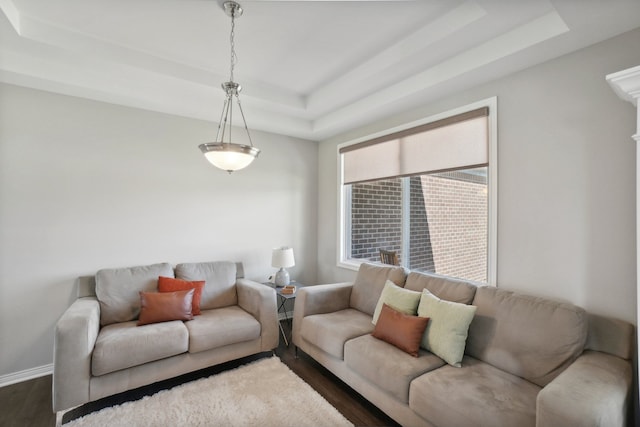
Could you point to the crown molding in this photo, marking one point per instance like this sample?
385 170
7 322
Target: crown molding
626 84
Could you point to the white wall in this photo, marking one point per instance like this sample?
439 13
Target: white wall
566 200
87 185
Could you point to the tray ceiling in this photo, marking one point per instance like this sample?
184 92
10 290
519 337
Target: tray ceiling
309 69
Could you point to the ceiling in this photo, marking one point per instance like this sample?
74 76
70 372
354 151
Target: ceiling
309 69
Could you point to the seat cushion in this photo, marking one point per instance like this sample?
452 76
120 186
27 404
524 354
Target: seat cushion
117 290
123 345
369 284
221 326
386 366
220 282
475 395
329 331
531 337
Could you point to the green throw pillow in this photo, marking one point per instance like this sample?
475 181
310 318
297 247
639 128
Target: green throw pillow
400 299
446 332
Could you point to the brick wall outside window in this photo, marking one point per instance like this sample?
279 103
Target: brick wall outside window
457 215
376 218
448 223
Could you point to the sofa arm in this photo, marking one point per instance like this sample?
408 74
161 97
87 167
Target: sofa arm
75 337
260 301
319 299
593 391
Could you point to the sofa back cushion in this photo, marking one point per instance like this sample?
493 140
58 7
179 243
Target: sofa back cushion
118 290
369 284
533 338
445 288
220 277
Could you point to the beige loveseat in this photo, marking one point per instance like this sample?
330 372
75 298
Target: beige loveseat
99 349
528 361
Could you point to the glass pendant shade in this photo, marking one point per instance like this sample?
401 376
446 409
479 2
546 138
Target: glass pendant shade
229 157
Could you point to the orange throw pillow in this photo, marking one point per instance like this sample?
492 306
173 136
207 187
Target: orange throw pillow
169 284
158 307
401 330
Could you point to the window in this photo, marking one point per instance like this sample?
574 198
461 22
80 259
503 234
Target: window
426 192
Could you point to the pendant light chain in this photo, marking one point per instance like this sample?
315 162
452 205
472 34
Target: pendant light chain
234 60
233 65
234 57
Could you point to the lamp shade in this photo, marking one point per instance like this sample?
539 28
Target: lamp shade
282 258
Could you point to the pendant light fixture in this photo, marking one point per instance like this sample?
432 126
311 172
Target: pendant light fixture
230 156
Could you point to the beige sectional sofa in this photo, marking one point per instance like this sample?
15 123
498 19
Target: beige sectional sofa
99 349
528 361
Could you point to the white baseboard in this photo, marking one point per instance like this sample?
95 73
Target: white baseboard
27 374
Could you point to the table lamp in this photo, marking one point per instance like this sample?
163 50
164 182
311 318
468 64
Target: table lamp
282 258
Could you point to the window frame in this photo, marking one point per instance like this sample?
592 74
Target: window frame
343 193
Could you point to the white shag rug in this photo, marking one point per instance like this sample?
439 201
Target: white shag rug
262 393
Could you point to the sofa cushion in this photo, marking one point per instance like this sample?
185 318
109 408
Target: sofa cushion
401 330
117 290
123 345
531 337
156 307
329 331
170 284
445 288
221 326
220 277
475 395
404 300
446 332
386 366
369 284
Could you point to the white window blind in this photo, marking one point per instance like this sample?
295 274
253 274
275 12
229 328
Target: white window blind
456 142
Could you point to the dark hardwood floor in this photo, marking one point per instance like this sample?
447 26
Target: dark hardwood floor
28 404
